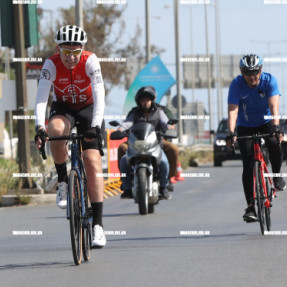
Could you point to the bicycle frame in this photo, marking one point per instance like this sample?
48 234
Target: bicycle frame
75 153
258 156
75 166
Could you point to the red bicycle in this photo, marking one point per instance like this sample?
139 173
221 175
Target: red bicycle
263 186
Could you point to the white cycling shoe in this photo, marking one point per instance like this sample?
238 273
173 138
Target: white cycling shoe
61 199
99 238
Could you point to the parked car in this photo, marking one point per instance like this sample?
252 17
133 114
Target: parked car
220 151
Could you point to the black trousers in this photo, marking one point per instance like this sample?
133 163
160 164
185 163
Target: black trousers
246 149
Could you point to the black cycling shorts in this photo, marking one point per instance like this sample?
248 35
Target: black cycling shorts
82 119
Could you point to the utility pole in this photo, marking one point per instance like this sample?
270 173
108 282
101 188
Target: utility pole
191 52
22 103
178 79
208 70
147 31
79 13
219 64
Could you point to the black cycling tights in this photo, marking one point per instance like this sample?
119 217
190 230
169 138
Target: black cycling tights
246 149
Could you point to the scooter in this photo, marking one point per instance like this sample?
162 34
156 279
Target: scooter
143 157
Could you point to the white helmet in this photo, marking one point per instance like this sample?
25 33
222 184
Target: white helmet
71 35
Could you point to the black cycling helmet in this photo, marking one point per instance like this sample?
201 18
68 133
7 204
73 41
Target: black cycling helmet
250 62
145 92
71 35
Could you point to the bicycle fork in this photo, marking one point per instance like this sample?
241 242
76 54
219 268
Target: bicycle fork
266 200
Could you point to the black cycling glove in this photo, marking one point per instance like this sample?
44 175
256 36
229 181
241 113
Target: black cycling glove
276 130
230 136
42 134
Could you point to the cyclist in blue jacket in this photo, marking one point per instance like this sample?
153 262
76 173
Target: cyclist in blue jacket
253 104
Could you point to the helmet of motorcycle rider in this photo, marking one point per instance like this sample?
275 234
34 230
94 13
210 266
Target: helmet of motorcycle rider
147 92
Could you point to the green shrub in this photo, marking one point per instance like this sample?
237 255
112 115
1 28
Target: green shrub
7 181
188 157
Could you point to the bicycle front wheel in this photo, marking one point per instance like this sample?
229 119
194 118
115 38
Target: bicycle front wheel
268 209
259 197
75 216
87 229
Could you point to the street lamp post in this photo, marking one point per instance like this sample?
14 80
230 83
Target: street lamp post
178 79
79 13
147 31
208 70
219 64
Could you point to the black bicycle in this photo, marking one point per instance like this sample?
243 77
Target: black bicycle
79 212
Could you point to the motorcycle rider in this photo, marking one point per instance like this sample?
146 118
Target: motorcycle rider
169 148
146 111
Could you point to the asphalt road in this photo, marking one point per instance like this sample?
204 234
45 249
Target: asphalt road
218 248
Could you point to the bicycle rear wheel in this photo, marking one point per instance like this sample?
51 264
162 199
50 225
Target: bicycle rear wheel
75 216
259 197
87 240
268 209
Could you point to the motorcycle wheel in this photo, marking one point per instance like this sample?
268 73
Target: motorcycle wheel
142 191
150 208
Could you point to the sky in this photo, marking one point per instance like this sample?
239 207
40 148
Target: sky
246 26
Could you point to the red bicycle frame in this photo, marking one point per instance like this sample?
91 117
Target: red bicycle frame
258 156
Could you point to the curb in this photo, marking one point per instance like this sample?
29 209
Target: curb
111 189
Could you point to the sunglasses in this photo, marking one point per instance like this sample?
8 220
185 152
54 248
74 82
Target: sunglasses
68 52
253 73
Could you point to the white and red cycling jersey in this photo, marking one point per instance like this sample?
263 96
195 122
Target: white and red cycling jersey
76 88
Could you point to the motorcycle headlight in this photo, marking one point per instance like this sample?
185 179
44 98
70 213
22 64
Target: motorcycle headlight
220 142
144 145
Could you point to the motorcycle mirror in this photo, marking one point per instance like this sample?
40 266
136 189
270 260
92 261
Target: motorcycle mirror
172 121
118 135
114 123
168 136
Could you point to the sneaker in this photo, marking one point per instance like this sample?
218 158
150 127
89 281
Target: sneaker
279 183
99 238
173 180
250 214
127 194
61 199
165 194
170 186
